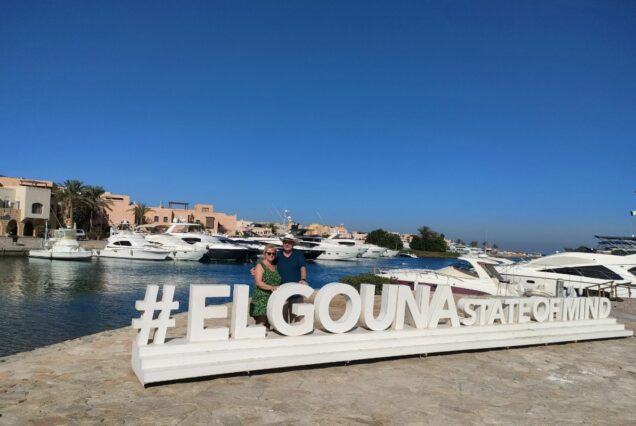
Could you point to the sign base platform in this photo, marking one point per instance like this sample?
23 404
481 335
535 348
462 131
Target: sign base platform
179 359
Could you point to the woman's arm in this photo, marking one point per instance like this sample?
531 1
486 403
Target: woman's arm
258 279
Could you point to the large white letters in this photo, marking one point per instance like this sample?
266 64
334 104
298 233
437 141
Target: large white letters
387 309
240 308
305 310
400 307
443 296
198 312
412 310
352 309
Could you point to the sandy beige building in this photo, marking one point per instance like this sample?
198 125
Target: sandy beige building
122 209
25 205
318 229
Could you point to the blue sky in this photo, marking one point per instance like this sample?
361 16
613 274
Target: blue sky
507 121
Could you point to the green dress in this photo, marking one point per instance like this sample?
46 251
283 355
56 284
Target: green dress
260 297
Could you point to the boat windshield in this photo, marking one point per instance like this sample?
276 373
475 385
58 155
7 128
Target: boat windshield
465 267
151 229
66 234
187 227
491 271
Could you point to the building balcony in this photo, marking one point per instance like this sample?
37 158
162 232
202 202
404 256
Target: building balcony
9 213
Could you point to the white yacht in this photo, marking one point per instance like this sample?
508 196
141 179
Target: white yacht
470 275
218 248
179 249
572 271
333 249
63 247
343 240
309 250
124 244
372 251
390 253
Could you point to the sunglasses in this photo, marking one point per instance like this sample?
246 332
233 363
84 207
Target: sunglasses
270 253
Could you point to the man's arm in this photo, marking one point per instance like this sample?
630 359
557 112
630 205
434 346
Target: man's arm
303 274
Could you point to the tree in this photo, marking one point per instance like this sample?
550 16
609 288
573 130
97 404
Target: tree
70 195
381 238
474 243
428 240
140 211
96 203
495 247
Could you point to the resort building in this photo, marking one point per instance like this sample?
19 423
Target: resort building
120 208
25 206
318 229
359 236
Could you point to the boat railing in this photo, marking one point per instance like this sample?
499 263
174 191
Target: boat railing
610 288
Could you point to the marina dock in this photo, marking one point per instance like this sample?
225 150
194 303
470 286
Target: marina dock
89 380
24 244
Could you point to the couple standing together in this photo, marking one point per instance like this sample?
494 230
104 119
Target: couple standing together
276 268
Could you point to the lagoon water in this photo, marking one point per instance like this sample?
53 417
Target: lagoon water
44 302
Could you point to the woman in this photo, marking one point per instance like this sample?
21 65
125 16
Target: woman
267 280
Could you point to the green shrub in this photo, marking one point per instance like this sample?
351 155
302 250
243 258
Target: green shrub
356 280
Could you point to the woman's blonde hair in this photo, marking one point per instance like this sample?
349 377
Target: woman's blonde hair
269 246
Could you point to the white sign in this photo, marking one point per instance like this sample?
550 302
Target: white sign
409 322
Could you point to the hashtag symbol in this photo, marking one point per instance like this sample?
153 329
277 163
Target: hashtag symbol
149 306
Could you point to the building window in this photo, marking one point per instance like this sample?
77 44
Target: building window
209 222
205 210
36 208
156 219
165 219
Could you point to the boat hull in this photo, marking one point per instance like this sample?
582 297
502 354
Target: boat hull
372 254
132 254
334 255
311 254
48 254
229 255
187 255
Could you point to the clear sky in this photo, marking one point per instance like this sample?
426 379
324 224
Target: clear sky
507 121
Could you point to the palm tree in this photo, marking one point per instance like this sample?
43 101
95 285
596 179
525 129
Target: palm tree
140 213
70 194
96 203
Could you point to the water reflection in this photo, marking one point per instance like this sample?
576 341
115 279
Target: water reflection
44 301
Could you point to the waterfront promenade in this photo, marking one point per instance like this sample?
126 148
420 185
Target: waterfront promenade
89 380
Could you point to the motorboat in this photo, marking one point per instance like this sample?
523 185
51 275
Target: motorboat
390 253
218 248
179 249
343 240
575 272
372 251
125 244
309 250
469 275
411 255
333 249
64 247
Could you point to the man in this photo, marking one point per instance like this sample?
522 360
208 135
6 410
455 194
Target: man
292 269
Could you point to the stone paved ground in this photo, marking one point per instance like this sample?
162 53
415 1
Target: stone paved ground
89 380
